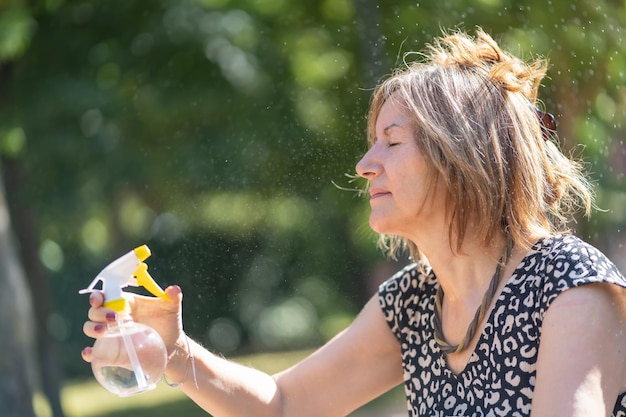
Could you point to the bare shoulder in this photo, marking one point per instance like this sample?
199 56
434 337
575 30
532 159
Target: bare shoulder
600 297
589 322
581 366
596 307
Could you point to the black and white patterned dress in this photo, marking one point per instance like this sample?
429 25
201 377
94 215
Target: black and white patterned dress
499 378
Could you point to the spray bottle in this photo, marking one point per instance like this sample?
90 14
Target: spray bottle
130 357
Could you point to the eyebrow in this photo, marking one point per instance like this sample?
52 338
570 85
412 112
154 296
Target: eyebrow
391 126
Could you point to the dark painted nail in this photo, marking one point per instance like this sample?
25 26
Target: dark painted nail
111 316
99 328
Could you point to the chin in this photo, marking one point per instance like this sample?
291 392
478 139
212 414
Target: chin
381 226
392 225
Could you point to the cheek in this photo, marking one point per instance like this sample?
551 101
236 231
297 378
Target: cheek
420 194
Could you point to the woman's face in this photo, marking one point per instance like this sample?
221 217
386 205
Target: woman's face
403 199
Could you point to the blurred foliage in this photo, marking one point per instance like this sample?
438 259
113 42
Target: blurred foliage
215 130
89 399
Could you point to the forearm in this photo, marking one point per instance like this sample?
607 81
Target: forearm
224 388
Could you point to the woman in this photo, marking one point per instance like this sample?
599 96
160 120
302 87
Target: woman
494 317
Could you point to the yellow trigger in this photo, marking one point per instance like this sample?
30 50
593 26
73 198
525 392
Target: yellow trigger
145 280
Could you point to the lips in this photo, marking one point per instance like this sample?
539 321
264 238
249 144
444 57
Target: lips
377 193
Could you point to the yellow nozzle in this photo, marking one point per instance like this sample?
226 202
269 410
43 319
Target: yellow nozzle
145 280
142 252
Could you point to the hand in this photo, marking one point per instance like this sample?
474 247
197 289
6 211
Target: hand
164 316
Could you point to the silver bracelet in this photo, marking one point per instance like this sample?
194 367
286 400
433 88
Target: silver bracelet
193 369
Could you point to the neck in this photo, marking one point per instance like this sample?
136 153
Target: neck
465 264
460 311
464 274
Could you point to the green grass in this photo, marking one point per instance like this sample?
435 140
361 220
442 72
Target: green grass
89 399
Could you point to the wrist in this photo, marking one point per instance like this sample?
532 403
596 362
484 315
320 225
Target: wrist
180 360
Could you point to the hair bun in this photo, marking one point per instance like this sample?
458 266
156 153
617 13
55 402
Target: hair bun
484 54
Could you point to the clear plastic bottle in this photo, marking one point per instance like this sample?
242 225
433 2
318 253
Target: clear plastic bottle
129 358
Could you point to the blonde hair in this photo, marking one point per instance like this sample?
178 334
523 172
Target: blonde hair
474 108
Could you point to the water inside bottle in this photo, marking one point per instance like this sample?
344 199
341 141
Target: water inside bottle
123 381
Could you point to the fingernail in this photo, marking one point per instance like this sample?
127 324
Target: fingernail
99 328
111 316
86 351
176 289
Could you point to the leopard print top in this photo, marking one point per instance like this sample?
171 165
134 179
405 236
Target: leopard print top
500 375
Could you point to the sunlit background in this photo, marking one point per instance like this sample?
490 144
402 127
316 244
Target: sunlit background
223 134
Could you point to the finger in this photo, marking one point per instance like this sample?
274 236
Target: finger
96 299
94 329
174 293
100 314
86 354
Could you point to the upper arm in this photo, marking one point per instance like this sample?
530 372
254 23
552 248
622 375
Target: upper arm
359 364
581 367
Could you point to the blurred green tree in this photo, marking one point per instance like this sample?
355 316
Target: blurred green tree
23 348
18 364
213 130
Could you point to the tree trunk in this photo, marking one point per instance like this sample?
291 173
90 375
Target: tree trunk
25 229
23 226
17 327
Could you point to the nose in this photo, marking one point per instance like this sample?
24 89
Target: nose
368 167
